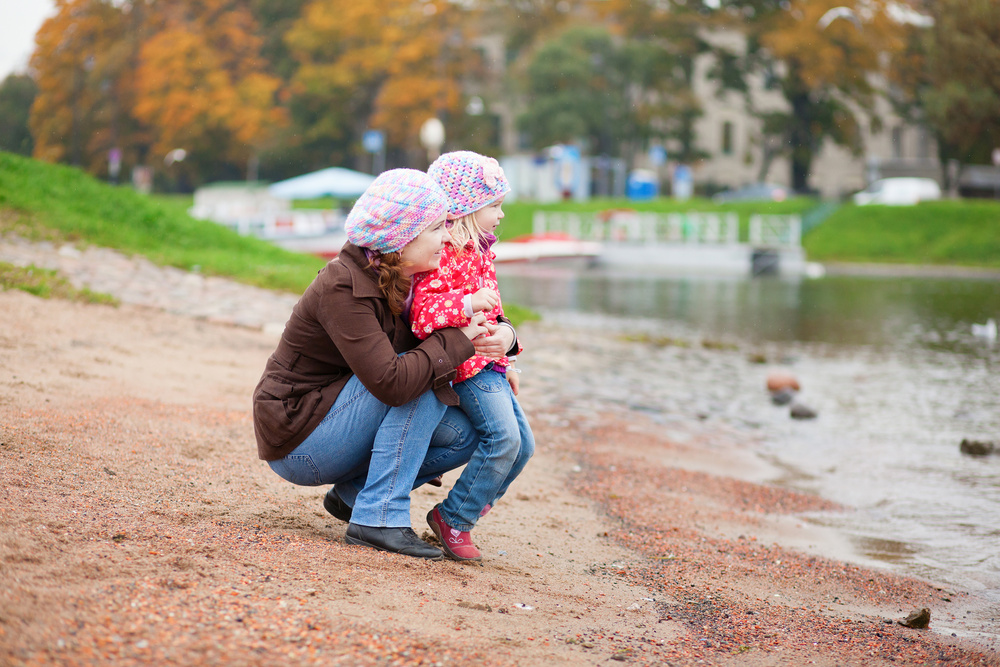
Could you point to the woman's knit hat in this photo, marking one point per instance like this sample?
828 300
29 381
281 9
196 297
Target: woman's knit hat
471 181
396 207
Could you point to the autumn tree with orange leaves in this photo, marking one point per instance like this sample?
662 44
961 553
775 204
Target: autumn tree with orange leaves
82 61
383 64
827 57
149 78
202 84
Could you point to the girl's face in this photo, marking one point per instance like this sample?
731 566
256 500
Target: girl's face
489 217
424 252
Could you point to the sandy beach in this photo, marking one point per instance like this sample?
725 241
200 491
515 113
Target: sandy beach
138 527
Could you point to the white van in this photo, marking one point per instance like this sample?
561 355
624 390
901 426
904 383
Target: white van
899 191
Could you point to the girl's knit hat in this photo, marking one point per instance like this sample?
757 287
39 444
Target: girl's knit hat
396 207
471 181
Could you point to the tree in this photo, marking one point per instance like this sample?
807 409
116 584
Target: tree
78 62
203 85
585 85
151 77
960 89
383 64
17 92
675 30
826 69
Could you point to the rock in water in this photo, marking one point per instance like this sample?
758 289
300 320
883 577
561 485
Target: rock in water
919 619
782 396
778 380
800 411
977 447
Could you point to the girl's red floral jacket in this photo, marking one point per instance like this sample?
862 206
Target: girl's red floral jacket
438 298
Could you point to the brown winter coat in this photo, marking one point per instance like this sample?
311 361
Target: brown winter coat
342 326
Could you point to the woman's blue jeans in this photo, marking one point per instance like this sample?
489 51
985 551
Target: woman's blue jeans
376 454
506 444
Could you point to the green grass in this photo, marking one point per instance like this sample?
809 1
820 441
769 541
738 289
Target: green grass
45 202
47 283
40 200
961 233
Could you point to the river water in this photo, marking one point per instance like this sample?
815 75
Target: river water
890 364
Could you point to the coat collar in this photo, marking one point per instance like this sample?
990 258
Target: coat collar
363 280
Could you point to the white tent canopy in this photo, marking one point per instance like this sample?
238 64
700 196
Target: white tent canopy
333 182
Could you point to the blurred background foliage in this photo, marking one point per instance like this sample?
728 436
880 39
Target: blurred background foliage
276 88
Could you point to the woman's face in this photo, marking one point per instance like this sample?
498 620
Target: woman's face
424 252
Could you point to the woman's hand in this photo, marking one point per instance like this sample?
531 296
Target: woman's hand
476 328
485 299
500 338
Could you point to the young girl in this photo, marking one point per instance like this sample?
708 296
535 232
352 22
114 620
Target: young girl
465 283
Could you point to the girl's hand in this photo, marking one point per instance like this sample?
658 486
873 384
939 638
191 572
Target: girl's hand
513 379
476 328
496 344
485 299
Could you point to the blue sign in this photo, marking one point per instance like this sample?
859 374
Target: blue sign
373 140
657 155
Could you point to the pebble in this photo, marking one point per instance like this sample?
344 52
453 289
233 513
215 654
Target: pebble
802 411
978 447
137 281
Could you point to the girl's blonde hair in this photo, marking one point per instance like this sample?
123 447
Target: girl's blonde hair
466 229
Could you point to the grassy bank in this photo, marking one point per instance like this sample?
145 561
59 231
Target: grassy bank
54 202
41 201
961 233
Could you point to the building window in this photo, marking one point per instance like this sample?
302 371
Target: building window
897 142
727 138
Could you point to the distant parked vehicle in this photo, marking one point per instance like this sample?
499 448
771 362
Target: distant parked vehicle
754 192
904 191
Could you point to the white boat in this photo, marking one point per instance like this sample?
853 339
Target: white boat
251 210
326 245
539 247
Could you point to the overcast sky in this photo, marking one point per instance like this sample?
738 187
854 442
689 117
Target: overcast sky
19 21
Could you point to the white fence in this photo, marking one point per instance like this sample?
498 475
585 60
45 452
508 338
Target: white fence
776 231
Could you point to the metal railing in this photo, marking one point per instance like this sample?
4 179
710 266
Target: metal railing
775 231
687 227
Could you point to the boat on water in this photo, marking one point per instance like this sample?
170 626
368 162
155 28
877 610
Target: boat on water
252 210
547 247
326 245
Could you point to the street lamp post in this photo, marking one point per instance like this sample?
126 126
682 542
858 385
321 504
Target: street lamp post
432 137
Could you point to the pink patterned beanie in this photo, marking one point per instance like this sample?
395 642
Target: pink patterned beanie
471 181
396 207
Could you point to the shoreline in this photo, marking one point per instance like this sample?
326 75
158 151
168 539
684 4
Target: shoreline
876 270
139 527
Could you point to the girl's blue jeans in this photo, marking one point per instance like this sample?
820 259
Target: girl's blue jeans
376 454
506 444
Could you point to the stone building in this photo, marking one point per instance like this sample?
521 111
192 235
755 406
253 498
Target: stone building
730 134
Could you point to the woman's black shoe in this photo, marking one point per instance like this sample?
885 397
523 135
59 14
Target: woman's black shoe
394 540
336 506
